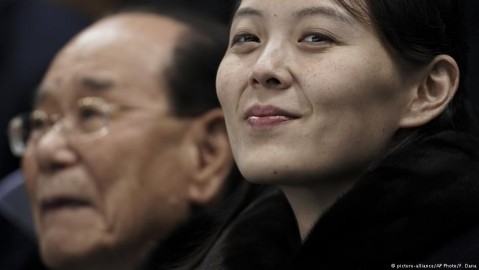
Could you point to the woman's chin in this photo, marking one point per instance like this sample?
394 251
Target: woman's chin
268 175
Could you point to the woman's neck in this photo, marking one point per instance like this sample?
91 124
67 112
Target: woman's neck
310 202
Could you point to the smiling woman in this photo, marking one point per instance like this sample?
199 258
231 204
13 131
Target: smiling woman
354 111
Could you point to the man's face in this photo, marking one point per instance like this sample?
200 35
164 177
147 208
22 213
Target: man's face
104 197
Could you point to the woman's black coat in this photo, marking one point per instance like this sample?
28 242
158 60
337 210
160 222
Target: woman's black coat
419 206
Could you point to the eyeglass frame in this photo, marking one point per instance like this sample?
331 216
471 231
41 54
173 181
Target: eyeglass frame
56 122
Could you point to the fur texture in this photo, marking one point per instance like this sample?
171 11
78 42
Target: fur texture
264 235
254 228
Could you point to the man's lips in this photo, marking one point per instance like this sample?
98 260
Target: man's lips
267 116
63 202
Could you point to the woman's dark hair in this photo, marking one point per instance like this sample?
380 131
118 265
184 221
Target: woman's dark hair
418 31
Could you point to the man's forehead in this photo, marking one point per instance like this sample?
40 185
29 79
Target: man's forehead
124 39
119 52
139 26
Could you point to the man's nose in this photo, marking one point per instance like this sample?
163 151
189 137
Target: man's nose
53 150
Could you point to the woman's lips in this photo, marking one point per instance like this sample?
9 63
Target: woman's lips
265 121
268 116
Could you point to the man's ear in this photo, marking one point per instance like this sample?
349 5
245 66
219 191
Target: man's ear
432 94
214 159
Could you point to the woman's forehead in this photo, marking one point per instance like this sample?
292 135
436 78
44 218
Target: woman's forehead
352 12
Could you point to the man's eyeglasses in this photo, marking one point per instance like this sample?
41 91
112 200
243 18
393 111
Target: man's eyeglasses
90 119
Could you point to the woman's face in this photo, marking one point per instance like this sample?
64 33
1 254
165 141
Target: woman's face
308 91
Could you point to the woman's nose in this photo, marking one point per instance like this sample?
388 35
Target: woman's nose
53 150
271 69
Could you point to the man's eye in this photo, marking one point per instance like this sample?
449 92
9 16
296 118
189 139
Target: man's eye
86 113
244 38
38 123
91 119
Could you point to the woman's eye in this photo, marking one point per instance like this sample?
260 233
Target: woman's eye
244 38
316 38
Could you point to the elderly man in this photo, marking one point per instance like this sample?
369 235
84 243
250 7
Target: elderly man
125 137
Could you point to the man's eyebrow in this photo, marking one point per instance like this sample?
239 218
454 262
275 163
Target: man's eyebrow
247 11
87 83
39 96
324 11
96 84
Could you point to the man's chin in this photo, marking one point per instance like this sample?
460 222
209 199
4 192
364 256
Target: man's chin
62 251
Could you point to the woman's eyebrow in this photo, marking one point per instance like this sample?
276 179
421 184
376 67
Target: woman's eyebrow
305 12
247 11
323 11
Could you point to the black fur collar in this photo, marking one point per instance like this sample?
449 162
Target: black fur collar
253 229
406 210
264 236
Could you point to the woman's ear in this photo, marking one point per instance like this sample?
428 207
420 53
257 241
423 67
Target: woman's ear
214 158
433 93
